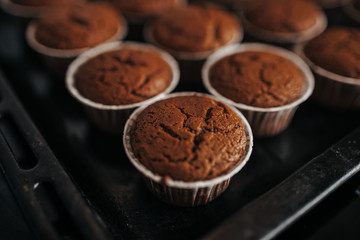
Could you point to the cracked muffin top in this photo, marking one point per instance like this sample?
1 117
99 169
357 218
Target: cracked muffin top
284 15
44 2
195 28
78 26
124 76
258 79
146 7
188 138
336 50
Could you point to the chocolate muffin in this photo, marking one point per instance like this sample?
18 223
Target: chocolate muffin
284 22
284 16
144 7
336 50
256 78
38 3
123 76
195 29
188 138
78 26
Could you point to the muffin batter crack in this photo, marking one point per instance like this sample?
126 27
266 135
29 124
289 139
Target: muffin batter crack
187 116
79 20
284 15
208 114
129 61
224 108
262 76
217 30
139 91
169 131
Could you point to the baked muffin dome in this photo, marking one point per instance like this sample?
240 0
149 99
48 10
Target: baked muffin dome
123 76
78 26
256 78
144 7
336 50
195 29
284 15
188 138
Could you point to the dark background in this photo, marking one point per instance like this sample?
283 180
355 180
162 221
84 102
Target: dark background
98 166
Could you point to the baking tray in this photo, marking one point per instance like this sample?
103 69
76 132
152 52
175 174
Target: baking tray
286 176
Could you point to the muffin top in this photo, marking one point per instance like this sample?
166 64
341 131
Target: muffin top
284 15
44 2
195 28
146 7
188 138
336 50
258 79
123 76
78 26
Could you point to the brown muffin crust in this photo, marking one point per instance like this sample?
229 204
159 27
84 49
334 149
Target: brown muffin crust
336 50
195 29
146 7
258 79
284 15
123 76
188 138
78 26
44 2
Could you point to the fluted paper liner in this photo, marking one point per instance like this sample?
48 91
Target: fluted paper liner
285 37
113 117
183 193
263 121
333 90
58 60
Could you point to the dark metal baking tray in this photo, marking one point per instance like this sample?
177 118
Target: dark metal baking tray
280 183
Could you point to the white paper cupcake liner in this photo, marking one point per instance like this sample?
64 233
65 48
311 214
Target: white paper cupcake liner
269 123
112 118
263 121
178 192
283 37
186 197
333 90
57 60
